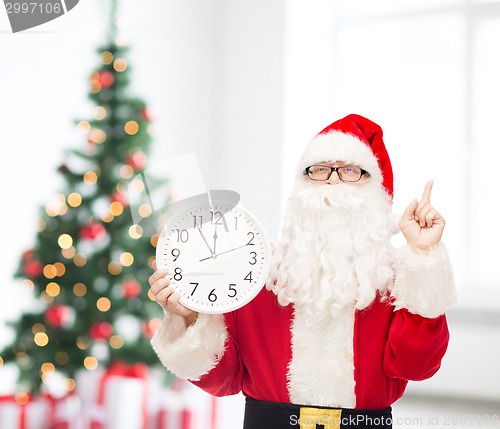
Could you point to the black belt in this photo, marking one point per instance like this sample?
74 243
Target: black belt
280 415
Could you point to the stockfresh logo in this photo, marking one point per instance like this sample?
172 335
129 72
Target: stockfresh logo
28 14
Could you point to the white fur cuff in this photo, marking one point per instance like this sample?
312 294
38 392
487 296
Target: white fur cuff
193 352
424 281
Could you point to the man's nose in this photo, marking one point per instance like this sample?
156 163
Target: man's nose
334 178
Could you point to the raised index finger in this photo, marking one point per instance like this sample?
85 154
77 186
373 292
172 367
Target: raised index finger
427 191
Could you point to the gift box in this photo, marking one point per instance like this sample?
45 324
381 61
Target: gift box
116 398
175 412
185 406
44 411
23 412
64 412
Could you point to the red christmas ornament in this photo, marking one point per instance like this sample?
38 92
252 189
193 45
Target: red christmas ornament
146 114
131 288
32 268
106 79
136 160
59 316
92 231
150 327
118 197
28 254
100 331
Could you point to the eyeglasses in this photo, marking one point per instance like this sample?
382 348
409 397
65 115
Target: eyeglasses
346 173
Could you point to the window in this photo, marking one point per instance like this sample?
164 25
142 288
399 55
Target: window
427 72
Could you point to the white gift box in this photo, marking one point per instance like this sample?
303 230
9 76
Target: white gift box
40 413
185 406
67 413
112 401
124 401
32 415
170 412
207 411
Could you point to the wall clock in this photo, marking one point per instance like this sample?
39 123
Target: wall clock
217 255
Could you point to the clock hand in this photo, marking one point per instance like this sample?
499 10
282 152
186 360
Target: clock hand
215 237
226 251
202 273
230 250
205 240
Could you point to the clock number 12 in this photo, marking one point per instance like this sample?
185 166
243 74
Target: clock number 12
216 216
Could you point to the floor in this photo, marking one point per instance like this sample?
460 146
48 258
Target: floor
439 413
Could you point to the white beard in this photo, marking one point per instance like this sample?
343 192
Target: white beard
334 251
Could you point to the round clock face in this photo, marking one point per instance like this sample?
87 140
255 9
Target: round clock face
218 258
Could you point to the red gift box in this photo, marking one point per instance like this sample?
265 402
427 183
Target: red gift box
120 401
175 411
176 419
23 411
185 406
64 412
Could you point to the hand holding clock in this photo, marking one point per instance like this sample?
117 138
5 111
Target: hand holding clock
218 281
168 298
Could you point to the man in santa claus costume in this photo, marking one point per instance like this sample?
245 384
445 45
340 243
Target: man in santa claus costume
345 319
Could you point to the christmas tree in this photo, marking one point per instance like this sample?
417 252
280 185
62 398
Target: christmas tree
89 266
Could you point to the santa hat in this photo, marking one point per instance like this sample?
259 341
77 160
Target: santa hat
354 140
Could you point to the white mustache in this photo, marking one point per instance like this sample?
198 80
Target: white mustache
324 197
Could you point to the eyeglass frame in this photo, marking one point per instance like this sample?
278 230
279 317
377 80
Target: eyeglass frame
336 169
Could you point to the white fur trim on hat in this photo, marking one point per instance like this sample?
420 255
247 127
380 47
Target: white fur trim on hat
424 281
338 146
192 352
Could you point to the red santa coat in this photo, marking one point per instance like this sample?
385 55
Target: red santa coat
354 359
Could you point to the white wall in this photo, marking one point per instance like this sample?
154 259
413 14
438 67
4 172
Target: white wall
411 82
211 73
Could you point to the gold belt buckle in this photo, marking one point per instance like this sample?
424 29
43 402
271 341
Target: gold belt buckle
311 417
